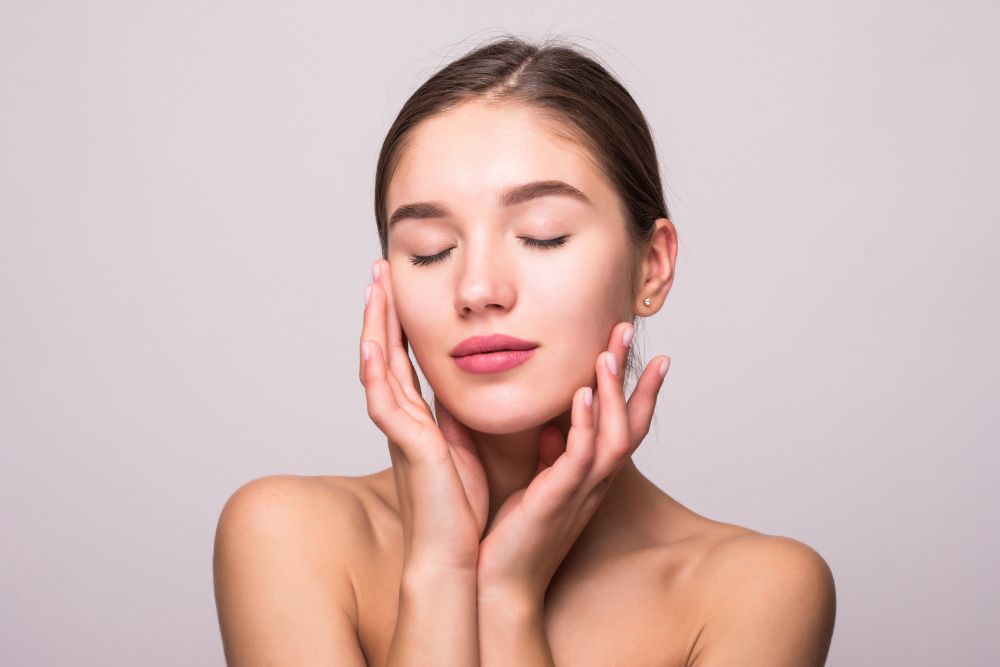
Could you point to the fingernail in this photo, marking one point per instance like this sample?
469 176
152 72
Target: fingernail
375 272
365 351
627 336
664 365
588 396
368 294
612 363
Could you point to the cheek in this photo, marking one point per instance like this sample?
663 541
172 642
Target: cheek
591 286
578 305
425 310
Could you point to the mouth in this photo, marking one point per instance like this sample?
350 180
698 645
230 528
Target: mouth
492 354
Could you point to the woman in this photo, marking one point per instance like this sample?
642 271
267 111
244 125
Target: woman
523 229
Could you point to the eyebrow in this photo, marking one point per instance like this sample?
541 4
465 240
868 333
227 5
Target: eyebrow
421 211
522 193
511 196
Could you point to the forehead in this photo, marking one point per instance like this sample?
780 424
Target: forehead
470 153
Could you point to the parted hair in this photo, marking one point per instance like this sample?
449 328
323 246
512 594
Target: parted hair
564 85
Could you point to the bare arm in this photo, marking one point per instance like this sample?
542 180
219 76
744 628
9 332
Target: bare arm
441 487
284 593
282 587
512 632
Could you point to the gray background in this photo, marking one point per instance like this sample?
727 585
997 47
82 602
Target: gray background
185 232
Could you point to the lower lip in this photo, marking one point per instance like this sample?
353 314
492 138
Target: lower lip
493 362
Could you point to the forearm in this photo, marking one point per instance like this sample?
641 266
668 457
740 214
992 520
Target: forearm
436 621
512 632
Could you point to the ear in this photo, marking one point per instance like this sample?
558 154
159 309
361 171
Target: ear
657 269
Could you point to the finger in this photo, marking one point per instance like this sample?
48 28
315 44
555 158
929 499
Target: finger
580 440
413 370
415 409
382 274
550 447
612 442
361 358
552 486
466 458
619 344
397 353
374 321
383 409
642 402
455 432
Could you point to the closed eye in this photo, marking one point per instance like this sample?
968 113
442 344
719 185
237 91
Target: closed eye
543 243
424 260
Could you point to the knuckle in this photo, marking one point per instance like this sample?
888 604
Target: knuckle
376 415
378 412
620 448
584 459
594 498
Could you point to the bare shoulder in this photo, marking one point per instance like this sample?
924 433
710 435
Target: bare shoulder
766 600
293 507
286 552
287 516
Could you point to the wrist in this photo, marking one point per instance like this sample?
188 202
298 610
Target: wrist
511 626
515 604
436 617
427 578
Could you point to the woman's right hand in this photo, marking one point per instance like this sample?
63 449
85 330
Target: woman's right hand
440 481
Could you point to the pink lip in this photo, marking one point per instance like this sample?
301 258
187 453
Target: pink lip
491 354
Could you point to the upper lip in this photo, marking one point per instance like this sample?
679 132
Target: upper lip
491 343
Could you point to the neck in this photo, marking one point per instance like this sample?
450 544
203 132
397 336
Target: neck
511 459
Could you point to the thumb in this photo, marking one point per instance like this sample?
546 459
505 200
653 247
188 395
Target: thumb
467 463
550 447
455 432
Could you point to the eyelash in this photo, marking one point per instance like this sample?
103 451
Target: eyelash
424 260
544 243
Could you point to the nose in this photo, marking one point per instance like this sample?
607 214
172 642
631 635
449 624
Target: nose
486 283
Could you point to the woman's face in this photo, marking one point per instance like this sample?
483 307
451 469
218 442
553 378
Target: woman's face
500 226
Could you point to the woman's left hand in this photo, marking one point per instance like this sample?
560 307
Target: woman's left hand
536 526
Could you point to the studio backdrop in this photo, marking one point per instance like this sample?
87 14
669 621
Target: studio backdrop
186 229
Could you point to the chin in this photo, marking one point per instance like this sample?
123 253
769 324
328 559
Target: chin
504 410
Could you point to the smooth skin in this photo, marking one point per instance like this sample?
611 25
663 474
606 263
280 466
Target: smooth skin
513 528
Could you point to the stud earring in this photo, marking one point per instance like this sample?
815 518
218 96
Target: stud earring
647 302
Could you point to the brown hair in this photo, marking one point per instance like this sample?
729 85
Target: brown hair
562 83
